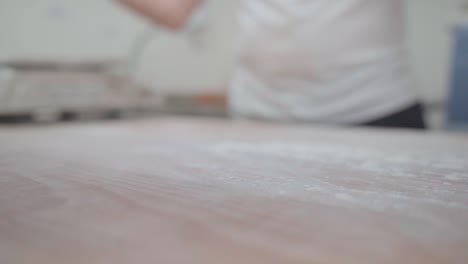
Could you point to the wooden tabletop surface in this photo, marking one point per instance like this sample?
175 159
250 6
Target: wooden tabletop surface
213 191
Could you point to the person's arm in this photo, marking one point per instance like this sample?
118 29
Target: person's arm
172 14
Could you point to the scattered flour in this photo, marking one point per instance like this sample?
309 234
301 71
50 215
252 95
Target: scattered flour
343 174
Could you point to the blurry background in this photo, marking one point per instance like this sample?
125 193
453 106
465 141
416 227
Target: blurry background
71 32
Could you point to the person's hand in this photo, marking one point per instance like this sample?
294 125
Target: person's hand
172 14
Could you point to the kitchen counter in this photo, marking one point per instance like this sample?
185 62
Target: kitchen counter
212 191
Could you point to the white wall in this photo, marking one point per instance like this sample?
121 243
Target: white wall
75 29
83 29
430 24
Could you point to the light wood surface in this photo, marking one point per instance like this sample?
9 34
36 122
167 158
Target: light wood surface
210 191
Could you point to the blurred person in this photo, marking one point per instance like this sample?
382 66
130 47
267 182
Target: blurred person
333 62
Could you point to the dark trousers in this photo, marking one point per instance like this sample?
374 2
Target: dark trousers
411 117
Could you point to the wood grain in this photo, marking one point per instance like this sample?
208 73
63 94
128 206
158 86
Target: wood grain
210 191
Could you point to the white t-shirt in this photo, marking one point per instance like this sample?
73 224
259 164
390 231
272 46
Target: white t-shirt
329 61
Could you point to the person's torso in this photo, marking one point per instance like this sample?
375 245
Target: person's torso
321 60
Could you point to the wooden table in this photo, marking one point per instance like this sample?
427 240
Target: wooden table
210 191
